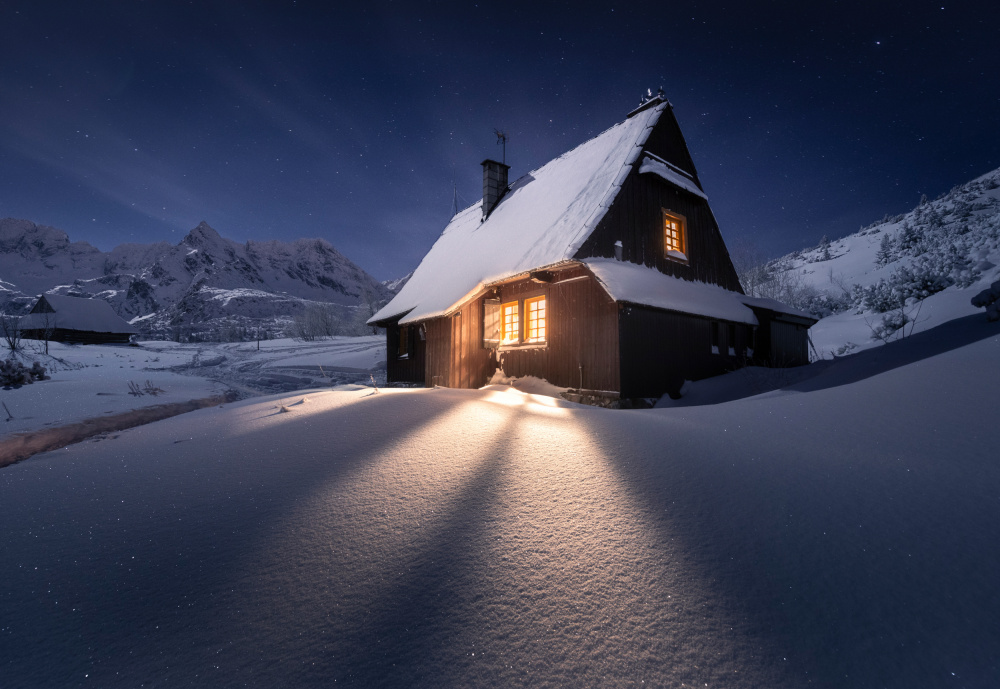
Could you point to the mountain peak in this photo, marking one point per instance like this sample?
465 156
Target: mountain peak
202 234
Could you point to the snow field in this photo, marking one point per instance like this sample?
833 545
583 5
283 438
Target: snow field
840 532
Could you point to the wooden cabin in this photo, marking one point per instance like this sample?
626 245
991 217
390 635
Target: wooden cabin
58 318
603 271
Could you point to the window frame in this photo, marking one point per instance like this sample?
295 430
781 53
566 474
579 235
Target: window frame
527 301
515 324
681 244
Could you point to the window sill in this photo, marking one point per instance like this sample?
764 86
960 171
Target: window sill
527 345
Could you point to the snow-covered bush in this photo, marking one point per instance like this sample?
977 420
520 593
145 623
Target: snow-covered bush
820 304
989 299
13 373
891 325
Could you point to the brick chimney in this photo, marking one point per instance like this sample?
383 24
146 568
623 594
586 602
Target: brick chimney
494 184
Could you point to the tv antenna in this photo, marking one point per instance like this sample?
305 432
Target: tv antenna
502 139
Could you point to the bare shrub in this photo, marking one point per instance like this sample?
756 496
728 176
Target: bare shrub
10 332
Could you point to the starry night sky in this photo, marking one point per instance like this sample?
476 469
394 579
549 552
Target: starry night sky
133 121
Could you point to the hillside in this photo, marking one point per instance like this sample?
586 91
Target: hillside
202 286
900 274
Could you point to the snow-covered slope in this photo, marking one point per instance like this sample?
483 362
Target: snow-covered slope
203 279
917 269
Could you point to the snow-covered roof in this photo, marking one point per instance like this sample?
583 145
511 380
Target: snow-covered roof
542 221
662 169
77 313
775 305
638 284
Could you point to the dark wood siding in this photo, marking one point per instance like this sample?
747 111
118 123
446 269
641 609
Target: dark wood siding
581 338
582 332
636 219
782 339
438 366
662 349
80 336
789 344
408 369
667 142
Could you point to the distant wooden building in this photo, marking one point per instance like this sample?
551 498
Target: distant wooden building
603 271
59 318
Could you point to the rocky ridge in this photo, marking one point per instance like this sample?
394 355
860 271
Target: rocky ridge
205 286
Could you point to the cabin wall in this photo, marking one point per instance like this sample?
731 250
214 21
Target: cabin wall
408 369
782 340
438 352
667 141
582 332
662 349
76 336
789 344
636 220
455 357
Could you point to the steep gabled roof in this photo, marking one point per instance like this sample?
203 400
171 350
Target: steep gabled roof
77 313
542 221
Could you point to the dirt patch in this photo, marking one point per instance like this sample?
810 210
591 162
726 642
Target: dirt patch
23 445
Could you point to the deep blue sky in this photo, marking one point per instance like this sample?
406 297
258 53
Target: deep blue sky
133 121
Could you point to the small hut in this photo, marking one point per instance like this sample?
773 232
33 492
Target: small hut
59 318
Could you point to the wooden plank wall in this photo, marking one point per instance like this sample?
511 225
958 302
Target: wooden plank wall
438 351
636 219
582 332
789 344
662 349
411 369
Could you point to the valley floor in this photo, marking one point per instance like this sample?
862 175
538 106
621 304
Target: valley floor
840 531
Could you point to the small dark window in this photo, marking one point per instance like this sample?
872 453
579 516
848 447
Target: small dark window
715 337
731 338
403 346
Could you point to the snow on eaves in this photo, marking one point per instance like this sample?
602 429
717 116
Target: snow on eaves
637 284
656 167
542 220
775 305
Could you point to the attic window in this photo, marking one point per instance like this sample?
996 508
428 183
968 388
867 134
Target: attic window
510 331
675 236
534 330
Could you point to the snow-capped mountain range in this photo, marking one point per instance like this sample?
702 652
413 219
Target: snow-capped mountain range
198 284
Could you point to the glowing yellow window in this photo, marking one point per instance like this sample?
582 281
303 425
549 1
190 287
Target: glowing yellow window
511 323
674 241
534 319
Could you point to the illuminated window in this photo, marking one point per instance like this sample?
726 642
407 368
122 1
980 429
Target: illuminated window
511 323
534 320
674 240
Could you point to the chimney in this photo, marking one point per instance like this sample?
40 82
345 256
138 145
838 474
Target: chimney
494 184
